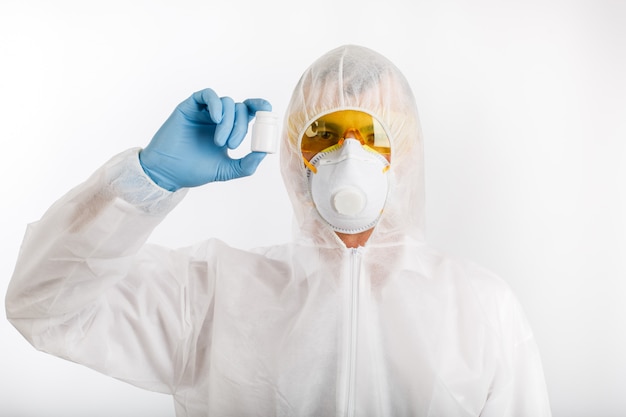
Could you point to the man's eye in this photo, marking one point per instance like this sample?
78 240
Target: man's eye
326 135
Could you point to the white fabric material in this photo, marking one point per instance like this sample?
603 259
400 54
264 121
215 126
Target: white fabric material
308 328
349 186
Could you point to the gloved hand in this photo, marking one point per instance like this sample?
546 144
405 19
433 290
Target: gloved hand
191 148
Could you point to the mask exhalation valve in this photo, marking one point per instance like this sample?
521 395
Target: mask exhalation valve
349 201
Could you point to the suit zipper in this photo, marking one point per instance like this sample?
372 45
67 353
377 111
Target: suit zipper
352 316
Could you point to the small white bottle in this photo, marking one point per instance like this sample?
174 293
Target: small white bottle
265 132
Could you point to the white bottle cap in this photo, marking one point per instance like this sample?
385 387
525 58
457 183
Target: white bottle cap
265 132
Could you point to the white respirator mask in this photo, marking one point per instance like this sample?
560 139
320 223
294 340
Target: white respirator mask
349 186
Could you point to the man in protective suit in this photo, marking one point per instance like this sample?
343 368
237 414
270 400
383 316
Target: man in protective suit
357 316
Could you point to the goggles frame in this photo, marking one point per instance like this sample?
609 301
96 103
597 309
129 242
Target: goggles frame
332 128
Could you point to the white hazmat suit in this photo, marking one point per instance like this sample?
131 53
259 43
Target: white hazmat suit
308 328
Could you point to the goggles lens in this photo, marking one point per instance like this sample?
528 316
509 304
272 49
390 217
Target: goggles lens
331 129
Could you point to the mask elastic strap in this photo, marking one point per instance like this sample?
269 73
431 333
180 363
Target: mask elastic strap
309 165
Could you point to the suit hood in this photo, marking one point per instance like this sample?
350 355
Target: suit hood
358 78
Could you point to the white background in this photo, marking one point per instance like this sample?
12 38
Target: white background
523 107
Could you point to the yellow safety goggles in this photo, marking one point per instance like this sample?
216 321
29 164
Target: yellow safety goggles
333 128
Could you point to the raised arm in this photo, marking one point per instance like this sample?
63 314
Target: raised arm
87 288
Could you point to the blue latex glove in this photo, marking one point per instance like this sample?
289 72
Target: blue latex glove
191 148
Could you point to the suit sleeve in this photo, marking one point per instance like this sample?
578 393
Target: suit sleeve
519 388
87 288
